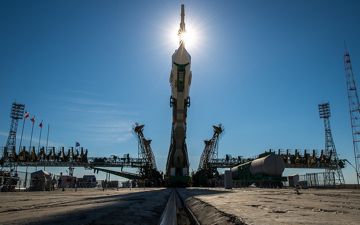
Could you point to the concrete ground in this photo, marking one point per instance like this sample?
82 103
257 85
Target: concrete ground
211 205
86 206
282 206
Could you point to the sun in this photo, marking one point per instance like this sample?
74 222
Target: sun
193 38
190 37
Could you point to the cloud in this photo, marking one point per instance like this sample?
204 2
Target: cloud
104 130
97 106
99 111
105 121
35 140
94 118
83 101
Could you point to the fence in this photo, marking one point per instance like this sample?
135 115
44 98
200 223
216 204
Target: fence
44 181
322 179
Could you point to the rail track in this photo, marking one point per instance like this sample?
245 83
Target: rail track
177 212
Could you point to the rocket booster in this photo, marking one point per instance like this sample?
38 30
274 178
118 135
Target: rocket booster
180 80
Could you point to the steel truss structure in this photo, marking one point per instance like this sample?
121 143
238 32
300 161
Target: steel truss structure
330 150
354 107
17 113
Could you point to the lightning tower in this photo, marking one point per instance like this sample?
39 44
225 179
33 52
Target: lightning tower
354 106
177 167
333 174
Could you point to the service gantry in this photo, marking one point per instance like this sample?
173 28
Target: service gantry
210 151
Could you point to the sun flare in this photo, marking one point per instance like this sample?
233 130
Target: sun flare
190 37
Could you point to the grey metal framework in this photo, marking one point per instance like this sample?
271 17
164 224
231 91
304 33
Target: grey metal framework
317 179
227 162
124 174
17 113
71 159
92 162
354 106
305 158
144 148
330 150
58 158
210 152
49 157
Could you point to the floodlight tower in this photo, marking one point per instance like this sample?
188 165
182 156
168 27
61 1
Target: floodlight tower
354 106
17 113
330 150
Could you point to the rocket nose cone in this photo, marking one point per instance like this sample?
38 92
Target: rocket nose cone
181 55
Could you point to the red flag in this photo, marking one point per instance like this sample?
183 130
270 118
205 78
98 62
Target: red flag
33 119
41 125
27 114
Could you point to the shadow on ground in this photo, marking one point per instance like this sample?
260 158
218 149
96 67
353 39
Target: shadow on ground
132 208
140 207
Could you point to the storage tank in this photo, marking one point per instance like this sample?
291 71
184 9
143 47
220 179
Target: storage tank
271 165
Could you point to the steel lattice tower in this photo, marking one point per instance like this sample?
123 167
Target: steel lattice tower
17 113
144 148
354 107
211 148
333 174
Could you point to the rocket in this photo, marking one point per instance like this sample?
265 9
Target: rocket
180 80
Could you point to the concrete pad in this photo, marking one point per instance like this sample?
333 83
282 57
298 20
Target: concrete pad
86 206
284 206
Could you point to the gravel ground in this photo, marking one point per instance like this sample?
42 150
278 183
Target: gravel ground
284 206
86 206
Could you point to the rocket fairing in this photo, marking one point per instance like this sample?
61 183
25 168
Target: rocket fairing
180 80
180 76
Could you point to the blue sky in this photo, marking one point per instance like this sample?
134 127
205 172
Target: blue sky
91 69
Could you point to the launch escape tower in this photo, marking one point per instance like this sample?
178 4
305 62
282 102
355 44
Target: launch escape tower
177 167
354 107
333 174
17 113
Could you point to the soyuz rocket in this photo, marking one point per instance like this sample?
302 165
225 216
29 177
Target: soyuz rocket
180 80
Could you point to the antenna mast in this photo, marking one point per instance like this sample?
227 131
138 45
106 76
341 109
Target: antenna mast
354 107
